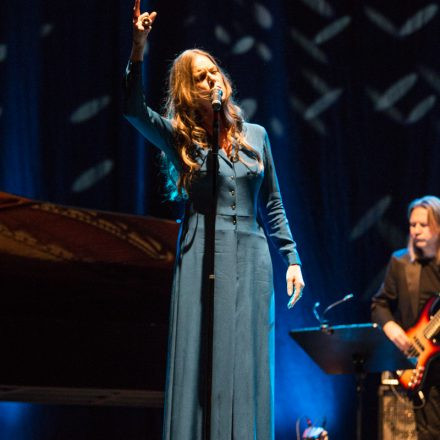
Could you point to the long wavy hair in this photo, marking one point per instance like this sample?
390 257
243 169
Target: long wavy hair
182 109
432 205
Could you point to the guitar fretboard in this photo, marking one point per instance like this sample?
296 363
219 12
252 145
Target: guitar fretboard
432 327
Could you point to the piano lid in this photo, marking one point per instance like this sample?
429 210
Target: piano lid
45 231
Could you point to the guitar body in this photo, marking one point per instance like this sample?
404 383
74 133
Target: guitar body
424 348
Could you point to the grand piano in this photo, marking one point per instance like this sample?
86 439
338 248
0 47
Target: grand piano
84 299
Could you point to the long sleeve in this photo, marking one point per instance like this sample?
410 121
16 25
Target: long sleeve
272 210
384 302
157 129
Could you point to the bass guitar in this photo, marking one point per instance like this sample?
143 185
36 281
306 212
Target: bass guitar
423 348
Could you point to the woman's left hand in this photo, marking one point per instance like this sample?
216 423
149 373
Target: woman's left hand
295 284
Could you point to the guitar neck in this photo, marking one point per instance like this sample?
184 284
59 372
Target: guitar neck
433 326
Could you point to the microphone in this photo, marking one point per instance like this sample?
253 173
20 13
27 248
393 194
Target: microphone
346 298
315 311
216 98
323 322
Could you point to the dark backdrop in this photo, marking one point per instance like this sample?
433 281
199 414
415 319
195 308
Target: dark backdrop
349 94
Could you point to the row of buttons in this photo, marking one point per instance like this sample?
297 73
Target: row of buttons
232 192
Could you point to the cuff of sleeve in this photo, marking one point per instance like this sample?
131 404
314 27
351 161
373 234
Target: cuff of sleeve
134 68
293 259
381 316
384 322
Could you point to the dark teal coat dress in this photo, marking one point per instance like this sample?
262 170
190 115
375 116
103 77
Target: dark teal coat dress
249 209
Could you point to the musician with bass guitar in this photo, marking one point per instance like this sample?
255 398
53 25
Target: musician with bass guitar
405 308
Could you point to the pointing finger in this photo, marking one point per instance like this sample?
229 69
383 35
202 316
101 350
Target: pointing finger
136 9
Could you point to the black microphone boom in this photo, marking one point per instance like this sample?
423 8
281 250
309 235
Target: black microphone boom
315 311
320 318
346 298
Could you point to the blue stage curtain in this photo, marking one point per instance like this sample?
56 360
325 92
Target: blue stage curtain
349 92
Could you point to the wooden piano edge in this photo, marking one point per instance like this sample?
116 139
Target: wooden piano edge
82 396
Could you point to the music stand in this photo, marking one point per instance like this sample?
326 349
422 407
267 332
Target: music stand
351 349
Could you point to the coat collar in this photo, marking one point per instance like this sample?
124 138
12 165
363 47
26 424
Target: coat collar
225 157
202 154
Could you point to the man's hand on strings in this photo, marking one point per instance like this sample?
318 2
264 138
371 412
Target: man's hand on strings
397 335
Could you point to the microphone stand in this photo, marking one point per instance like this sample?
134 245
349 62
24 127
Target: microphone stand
213 166
324 322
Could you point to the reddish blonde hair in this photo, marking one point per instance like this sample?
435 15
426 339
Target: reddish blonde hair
181 108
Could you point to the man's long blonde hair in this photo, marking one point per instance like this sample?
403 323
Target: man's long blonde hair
432 206
182 110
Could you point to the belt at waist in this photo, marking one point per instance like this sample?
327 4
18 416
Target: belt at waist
224 222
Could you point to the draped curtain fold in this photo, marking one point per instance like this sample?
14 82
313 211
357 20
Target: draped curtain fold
348 91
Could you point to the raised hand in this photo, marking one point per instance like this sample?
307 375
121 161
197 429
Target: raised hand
142 24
